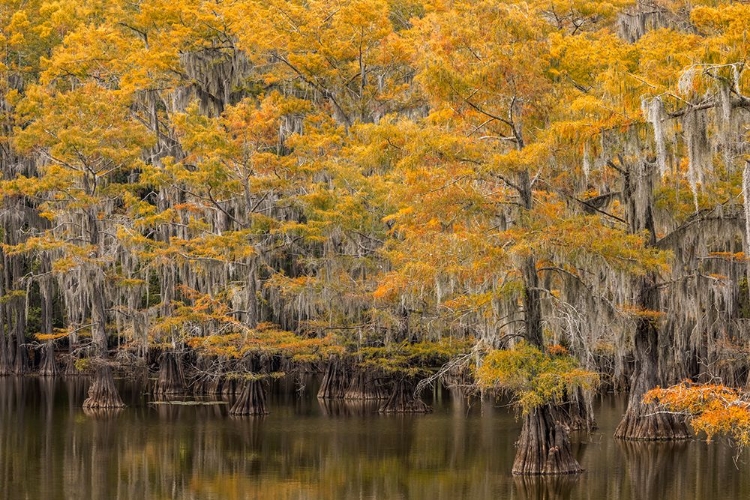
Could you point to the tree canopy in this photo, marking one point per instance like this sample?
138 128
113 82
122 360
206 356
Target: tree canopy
389 184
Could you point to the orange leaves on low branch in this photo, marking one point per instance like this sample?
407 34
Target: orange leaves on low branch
639 312
713 409
58 334
557 350
730 256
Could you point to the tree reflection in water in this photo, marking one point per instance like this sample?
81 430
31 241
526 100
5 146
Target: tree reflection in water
654 467
305 448
545 487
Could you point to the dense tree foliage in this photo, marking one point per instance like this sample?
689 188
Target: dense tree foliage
389 191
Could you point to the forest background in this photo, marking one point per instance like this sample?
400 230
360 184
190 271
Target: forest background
543 198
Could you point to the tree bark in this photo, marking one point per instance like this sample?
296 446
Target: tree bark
402 399
98 315
4 328
103 393
208 379
532 303
576 412
170 381
252 399
365 385
642 421
21 365
544 446
336 379
48 366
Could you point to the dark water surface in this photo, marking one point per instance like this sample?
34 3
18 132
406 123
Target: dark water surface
50 449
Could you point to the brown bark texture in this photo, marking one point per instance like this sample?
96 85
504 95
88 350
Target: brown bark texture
642 421
171 380
48 367
103 393
365 385
336 379
544 446
251 401
402 399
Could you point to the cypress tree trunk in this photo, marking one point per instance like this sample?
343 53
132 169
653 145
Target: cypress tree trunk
20 309
208 380
532 306
48 366
103 393
252 399
253 314
98 315
229 387
4 356
3 352
336 379
544 446
213 386
365 385
15 312
576 412
643 421
70 361
402 399
21 365
170 381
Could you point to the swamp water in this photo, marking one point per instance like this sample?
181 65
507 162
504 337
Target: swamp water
304 449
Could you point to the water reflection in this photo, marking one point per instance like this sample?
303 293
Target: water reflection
545 487
347 408
309 449
654 468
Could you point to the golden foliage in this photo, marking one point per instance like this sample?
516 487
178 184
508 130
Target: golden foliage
534 378
265 339
413 358
386 163
58 334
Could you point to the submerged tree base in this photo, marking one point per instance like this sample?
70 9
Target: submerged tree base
170 381
402 400
48 367
103 393
544 446
251 401
208 386
21 366
364 386
336 379
649 423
